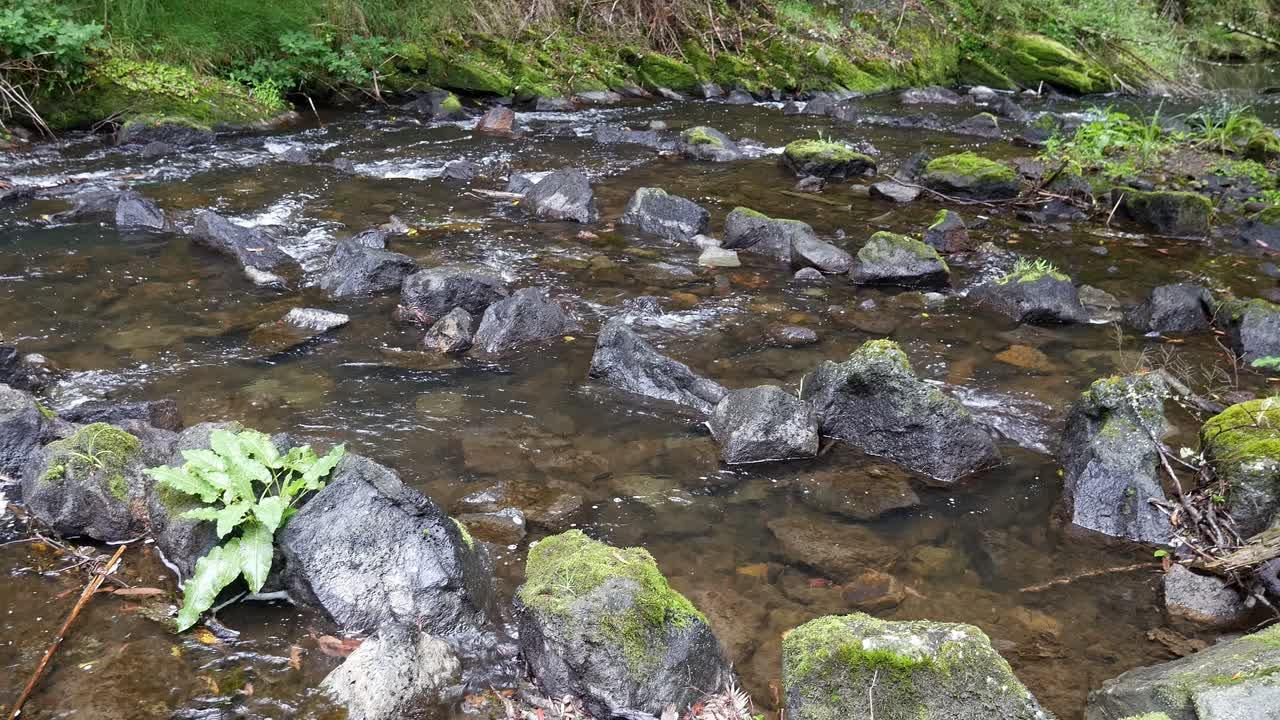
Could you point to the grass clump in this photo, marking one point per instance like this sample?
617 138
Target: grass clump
1030 270
97 448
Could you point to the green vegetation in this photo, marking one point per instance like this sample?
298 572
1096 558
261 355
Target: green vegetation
1249 431
883 245
968 164
701 135
1030 270
248 488
97 448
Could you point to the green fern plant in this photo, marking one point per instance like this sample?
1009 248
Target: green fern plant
249 490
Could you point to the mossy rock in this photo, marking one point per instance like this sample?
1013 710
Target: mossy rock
827 159
1168 212
474 72
856 665
892 259
659 71
969 175
973 70
602 624
1031 59
1243 445
131 89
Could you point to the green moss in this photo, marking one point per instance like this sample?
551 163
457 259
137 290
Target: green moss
750 213
969 164
466 535
883 245
56 472
824 151
878 350
1025 271
1031 59
477 73
45 411
700 136
1247 432
97 448
451 104
974 70
1270 216
660 71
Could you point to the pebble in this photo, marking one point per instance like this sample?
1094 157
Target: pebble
719 257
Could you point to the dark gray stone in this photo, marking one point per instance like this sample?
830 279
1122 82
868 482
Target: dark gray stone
1253 326
626 361
451 334
145 132
1205 600
1183 308
563 195
251 247
427 295
948 233
135 211
982 125
889 259
1041 300
162 414
789 336
932 95
355 269
763 424
23 429
30 372
655 211
528 316
894 191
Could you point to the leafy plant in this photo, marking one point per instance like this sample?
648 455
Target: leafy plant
250 491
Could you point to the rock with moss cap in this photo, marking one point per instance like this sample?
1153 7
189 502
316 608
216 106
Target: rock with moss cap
790 241
1232 680
438 104
1242 444
1177 214
601 624
891 259
707 143
1262 229
91 483
874 401
1033 292
856 666
827 159
1112 461
948 233
1253 327
655 211
971 176
1031 59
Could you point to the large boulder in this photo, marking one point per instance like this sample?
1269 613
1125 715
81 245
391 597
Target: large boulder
891 259
1030 59
626 361
601 624
857 666
562 195
395 674
1242 443
1205 600
875 402
437 104
1253 327
1178 214
427 295
529 315
370 551
790 241
655 211
826 159
92 484
971 176
1033 293
24 427
1111 459
251 247
763 424
707 143
1183 308
1232 680
355 269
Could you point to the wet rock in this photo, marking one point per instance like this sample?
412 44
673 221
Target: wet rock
599 97
356 270
1232 680
162 414
1099 305
932 95
394 674
873 591
91 483
1033 294
251 247
427 295
1178 214
875 402
182 541
826 159
1054 213
502 527
29 372
1262 230
808 250
374 238
626 361
528 316
790 241
1183 308
602 624
763 424
23 429
863 493
522 182
948 233
145 131
1242 444
654 211
553 104
157 149
971 176
437 105
297 327
719 257
1201 599
706 143
789 336
370 551
808 275
549 504
497 120
451 334
739 97
563 195
983 125
889 259
88 206
1253 327
810 184
1111 460
135 211
836 549
894 191
836 667
608 135
461 170
1025 357
295 156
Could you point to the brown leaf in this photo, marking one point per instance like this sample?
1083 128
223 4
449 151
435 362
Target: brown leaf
337 647
138 592
295 657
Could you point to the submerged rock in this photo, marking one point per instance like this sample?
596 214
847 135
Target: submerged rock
836 548
162 414
563 195
948 233
971 176
889 259
297 327
672 217
763 424
1179 214
135 211
932 95
451 334
706 143
356 269
24 427
856 665
1232 680
427 295
875 402
1111 460
1205 600
529 315
1253 327
895 191
1183 308
601 624
826 159
29 372
250 246
370 551
626 361
1242 444
395 674
1033 293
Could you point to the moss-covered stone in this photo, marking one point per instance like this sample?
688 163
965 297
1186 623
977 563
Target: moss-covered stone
702 135
843 667
1031 59
973 70
1168 212
1269 216
661 71
1243 445
475 72
892 259
825 158
971 175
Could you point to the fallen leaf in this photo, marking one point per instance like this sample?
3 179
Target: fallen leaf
204 636
137 592
295 657
337 647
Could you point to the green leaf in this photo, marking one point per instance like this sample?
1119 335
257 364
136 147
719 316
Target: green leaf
270 511
213 572
205 460
224 443
260 447
230 516
255 554
321 467
202 513
184 482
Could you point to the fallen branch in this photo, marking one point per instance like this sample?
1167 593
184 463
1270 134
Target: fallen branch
1068 579
89 590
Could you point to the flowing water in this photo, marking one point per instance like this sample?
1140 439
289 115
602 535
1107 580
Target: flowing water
148 316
